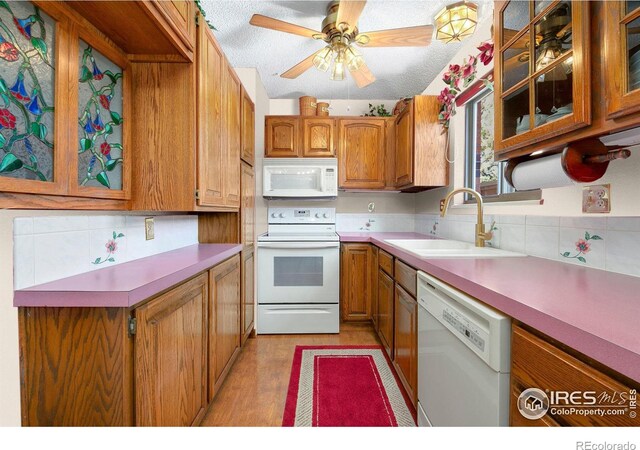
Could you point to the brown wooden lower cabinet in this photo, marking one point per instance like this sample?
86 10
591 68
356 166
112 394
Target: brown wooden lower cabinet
405 342
385 311
170 357
224 320
156 364
536 363
248 305
356 282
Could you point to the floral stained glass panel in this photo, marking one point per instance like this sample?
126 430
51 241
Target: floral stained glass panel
99 120
26 91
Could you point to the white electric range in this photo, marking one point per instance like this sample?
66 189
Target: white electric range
299 272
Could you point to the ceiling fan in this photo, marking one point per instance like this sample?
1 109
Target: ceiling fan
340 33
551 38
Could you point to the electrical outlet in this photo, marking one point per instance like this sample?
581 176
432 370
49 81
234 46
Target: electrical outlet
596 199
148 228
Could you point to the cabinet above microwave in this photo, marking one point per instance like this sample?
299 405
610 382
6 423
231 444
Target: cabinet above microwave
300 178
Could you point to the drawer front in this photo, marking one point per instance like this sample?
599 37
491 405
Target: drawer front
385 261
539 364
407 277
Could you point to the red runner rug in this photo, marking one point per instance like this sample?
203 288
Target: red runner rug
345 386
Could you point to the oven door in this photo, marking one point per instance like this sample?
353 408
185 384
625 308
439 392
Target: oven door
298 272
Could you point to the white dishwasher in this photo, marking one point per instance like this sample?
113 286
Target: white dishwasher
463 358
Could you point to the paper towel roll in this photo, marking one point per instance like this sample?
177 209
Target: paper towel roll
540 173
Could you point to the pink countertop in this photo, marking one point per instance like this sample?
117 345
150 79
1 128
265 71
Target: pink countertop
126 284
595 312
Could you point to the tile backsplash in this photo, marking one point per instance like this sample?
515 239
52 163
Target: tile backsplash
608 243
375 222
48 248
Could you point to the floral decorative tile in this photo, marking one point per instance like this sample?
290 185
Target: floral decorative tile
111 247
583 247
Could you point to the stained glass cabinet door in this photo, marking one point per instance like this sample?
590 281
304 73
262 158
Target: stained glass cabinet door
100 100
32 83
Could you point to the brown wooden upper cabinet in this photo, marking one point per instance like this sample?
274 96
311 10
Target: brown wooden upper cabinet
145 30
247 211
248 129
282 137
542 72
318 137
66 130
218 126
361 153
420 147
622 58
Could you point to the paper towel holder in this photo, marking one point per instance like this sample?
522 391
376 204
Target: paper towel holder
583 161
587 161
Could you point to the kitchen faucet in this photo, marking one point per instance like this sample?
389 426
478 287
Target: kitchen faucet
481 234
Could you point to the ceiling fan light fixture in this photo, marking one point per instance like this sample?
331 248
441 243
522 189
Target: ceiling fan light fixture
338 68
322 60
456 21
354 59
551 50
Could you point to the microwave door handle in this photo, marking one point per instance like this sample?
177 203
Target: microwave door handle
299 245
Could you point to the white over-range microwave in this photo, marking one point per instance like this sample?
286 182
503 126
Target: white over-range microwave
300 178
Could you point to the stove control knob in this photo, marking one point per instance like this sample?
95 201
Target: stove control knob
281 215
325 215
274 215
317 215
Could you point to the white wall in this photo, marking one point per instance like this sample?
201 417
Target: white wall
337 107
564 201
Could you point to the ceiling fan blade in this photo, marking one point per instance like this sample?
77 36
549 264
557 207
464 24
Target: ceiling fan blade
301 67
521 42
363 76
399 37
349 12
259 20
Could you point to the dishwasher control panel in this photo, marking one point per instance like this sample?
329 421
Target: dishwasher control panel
463 327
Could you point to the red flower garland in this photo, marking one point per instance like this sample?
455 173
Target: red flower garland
458 75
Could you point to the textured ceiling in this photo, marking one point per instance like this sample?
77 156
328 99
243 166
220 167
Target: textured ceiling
399 71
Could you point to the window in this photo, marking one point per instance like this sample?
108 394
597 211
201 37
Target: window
483 174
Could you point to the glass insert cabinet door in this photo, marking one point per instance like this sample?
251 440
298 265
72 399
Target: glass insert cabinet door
100 148
622 57
59 80
542 85
101 120
29 158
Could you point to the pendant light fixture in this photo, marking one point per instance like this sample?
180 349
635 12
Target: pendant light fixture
456 21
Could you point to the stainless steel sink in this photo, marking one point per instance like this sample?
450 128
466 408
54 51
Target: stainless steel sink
444 248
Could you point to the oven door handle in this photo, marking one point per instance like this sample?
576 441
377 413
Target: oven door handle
298 245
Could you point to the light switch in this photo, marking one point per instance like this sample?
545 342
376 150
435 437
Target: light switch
596 199
148 228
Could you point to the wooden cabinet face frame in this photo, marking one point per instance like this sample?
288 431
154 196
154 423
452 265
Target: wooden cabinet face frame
581 78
